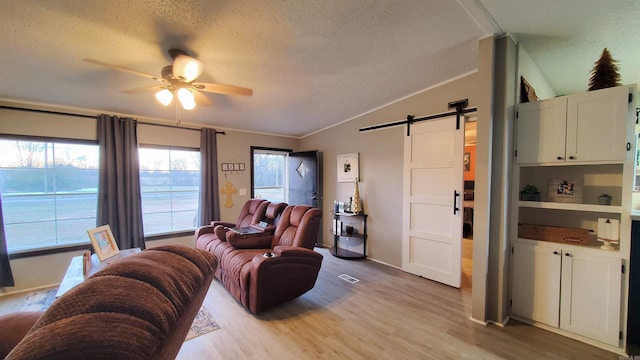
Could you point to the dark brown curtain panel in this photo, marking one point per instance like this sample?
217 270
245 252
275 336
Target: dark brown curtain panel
209 204
6 276
119 198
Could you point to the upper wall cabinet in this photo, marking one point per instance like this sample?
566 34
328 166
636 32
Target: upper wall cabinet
594 126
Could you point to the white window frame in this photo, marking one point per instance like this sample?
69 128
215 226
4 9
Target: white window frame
171 215
257 192
67 224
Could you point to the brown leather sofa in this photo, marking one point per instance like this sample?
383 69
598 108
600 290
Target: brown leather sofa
139 307
267 269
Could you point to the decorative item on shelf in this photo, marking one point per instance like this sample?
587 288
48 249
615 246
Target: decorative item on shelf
530 193
565 190
349 230
605 72
557 234
347 205
608 233
604 199
337 226
527 92
356 203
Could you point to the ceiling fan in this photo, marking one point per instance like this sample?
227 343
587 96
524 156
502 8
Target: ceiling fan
179 79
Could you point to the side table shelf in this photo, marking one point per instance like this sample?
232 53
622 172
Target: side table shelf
357 223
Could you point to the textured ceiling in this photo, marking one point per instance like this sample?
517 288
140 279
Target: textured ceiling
311 64
565 38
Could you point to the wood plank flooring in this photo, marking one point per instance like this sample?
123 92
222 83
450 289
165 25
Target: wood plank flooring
388 314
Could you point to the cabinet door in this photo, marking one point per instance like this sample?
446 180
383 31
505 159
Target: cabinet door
590 300
597 125
535 288
541 131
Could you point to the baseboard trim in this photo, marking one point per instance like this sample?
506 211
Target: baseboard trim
483 323
37 288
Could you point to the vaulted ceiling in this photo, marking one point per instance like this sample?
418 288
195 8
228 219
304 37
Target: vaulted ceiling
311 64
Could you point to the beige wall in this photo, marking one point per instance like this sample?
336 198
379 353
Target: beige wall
381 163
235 146
47 270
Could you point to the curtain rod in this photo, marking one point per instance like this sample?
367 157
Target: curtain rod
94 117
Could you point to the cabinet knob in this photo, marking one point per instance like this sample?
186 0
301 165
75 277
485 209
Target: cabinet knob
567 254
559 157
555 253
572 157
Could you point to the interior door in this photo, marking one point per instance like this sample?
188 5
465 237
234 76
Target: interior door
304 178
432 214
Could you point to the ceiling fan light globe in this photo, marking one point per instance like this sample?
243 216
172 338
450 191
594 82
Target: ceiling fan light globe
186 99
187 68
164 96
192 71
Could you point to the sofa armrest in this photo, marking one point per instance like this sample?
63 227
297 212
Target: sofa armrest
253 241
13 327
291 251
207 229
222 223
221 232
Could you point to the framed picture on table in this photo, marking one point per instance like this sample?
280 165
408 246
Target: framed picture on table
104 244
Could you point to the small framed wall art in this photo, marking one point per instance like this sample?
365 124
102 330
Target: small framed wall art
103 242
348 167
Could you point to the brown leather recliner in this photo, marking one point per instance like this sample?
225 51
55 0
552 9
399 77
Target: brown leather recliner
265 270
212 237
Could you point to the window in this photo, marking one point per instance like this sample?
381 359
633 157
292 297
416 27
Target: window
170 184
49 192
269 174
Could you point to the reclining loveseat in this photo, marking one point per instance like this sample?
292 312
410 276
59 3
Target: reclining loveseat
273 266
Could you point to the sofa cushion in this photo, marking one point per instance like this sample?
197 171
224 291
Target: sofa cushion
13 327
135 308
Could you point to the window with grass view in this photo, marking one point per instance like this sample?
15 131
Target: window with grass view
170 184
49 192
269 174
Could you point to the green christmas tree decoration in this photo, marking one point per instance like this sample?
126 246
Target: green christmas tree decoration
605 72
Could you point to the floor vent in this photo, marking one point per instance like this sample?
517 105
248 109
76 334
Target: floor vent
348 278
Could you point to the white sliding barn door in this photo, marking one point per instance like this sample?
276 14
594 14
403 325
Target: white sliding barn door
432 202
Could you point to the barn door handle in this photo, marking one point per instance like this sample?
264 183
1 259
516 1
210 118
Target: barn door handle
455 202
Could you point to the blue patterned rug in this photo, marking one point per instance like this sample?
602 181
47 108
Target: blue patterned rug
40 301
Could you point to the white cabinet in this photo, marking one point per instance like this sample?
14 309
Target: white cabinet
563 286
542 129
590 295
535 292
588 138
585 127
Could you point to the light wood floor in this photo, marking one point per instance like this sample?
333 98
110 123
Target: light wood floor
388 314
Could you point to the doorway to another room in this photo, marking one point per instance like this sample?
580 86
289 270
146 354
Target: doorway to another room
469 175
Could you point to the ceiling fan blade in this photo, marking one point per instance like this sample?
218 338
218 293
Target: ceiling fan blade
143 89
187 68
201 99
223 89
125 69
